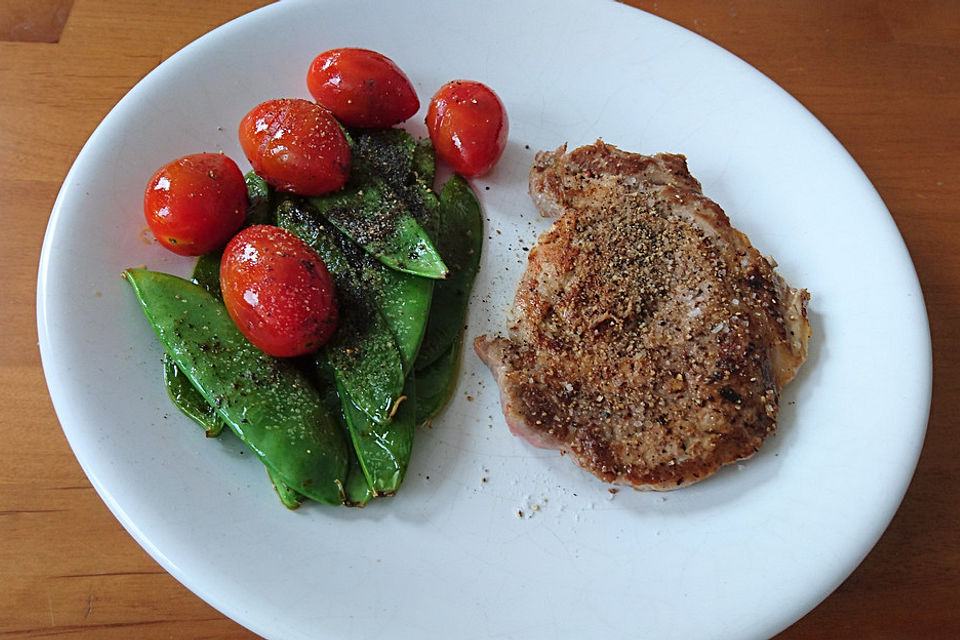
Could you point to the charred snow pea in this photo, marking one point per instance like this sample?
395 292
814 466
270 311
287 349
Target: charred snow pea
377 219
363 351
406 165
386 154
190 401
266 401
460 240
403 299
424 163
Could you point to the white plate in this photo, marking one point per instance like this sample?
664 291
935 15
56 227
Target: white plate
741 555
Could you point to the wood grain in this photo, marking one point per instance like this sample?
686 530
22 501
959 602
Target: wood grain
883 76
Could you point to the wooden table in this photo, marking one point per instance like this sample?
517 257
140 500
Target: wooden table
883 76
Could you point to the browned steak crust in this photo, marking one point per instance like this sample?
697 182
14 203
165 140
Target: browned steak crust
650 339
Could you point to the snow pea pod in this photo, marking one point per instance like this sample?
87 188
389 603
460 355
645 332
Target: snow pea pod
383 450
460 240
435 382
206 273
288 496
420 194
406 165
190 401
363 351
386 154
424 207
356 489
266 401
379 220
405 302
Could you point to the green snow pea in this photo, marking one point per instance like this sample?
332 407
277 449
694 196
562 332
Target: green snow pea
363 351
404 300
435 382
408 166
383 449
394 156
357 489
379 220
266 401
260 200
460 240
420 194
423 206
288 496
190 401
206 273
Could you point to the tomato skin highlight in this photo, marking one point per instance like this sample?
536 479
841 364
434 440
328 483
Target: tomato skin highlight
362 88
296 146
278 291
194 204
468 125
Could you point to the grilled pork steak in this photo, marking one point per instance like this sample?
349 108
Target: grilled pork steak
650 339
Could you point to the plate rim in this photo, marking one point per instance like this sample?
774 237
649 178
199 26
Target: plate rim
229 609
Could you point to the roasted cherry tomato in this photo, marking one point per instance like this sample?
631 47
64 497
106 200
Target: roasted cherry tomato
297 146
362 88
196 203
278 291
468 126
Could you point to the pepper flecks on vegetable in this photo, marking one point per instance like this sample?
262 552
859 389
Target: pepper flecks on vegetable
460 241
266 401
365 196
380 221
363 350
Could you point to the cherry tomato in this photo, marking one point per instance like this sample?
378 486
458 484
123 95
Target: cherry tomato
196 203
297 146
278 291
468 126
362 88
